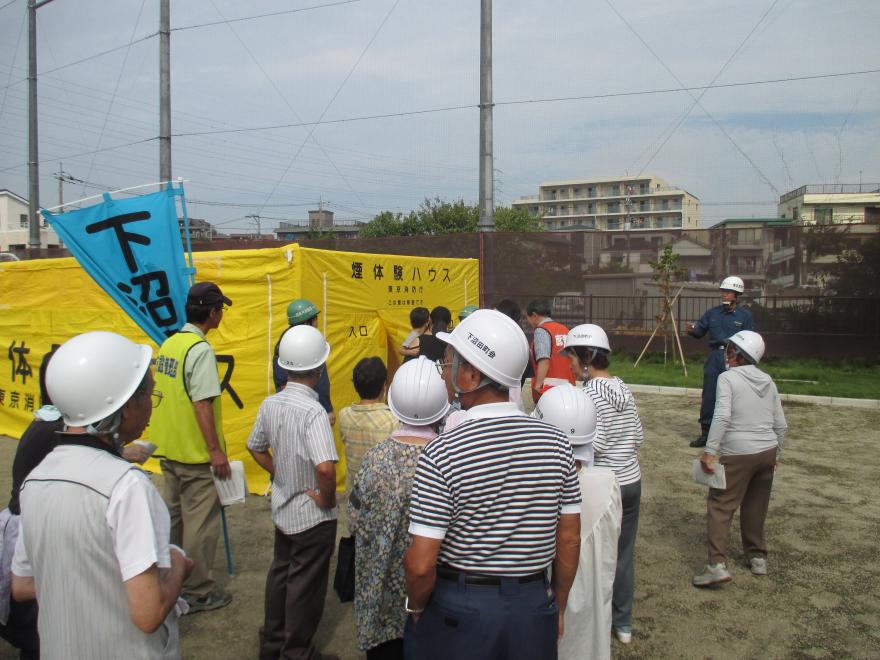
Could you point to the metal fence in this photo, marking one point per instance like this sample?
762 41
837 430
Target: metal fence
638 315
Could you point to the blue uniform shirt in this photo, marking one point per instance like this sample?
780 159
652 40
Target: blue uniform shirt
722 323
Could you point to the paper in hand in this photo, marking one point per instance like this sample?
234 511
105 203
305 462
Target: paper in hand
712 479
234 489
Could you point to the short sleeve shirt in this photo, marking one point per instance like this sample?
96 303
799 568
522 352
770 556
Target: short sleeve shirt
493 489
139 524
200 368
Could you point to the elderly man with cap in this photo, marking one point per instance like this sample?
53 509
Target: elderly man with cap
293 442
93 548
495 503
303 312
188 430
721 322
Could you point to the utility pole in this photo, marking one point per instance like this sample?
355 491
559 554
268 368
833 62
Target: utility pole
256 218
33 143
487 174
164 92
60 176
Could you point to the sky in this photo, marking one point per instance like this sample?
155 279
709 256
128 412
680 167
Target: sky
372 105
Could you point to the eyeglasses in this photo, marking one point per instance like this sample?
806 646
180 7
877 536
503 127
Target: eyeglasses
156 398
441 365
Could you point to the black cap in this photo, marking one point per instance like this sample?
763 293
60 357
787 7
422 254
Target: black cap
206 294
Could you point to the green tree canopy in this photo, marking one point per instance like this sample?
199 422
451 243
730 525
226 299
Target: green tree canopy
435 217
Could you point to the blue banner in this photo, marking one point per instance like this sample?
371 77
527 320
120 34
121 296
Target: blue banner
132 249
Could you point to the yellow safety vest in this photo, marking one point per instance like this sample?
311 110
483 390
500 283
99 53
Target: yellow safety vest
173 427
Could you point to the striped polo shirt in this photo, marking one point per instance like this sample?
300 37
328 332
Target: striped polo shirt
294 425
619 432
493 489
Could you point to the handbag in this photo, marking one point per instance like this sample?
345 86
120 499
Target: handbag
343 581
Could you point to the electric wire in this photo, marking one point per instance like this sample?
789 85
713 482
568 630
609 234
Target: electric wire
227 21
116 87
691 94
335 94
699 98
284 99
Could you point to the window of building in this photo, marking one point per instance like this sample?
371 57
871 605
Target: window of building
576 192
23 220
590 207
664 204
824 216
614 207
643 188
615 189
591 192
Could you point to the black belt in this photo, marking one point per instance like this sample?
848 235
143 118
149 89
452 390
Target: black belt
453 574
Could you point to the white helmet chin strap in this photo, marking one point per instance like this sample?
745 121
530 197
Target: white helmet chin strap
456 363
108 426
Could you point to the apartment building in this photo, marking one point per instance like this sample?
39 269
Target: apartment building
832 204
645 202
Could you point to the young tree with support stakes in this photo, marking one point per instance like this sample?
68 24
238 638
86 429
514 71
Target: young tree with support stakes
667 273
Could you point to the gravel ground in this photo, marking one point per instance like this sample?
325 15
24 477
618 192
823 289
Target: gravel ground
820 600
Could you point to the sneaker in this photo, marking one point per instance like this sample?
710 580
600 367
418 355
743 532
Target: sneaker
624 635
714 574
698 442
213 601
758 565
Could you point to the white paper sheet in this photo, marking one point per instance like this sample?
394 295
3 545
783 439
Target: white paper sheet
714 480
234 490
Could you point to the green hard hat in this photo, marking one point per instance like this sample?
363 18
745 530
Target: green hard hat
467 311
300 311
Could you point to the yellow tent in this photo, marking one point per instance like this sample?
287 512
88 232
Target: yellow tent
365 300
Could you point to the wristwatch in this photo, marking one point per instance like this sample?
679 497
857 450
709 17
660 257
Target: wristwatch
409 610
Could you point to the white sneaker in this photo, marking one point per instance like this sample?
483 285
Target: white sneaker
623 636
714 574
758 566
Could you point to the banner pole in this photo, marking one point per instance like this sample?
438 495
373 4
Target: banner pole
179 191
325 305
271 366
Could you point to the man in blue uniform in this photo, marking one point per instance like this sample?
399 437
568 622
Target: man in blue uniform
720 322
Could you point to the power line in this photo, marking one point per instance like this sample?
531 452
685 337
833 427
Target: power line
11 2
555 99
87 153
703 93
287 103
250 18
116 88
333 98
695 98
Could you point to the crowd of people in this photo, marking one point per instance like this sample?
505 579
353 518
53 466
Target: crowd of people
480 531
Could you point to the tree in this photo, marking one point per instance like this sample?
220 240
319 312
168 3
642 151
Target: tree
391 224
439 217
510 219
857 271
435 217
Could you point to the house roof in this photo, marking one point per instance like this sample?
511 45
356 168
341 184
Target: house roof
6 191
767 221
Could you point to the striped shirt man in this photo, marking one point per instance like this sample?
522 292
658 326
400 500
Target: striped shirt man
493 489
294 425
619 432
363 426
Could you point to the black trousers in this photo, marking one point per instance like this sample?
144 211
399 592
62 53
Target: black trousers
21 629
296 586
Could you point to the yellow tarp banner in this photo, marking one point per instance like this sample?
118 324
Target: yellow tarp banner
365 300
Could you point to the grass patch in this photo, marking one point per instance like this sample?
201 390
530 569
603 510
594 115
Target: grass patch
857 380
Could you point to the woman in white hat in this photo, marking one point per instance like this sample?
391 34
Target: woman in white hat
588 615
378 507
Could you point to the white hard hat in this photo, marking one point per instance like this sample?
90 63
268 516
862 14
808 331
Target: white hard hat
302 348
418 394
493 344
569 409
589 335
94 374
732 283
749 344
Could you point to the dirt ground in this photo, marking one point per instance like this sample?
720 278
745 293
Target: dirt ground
821 599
